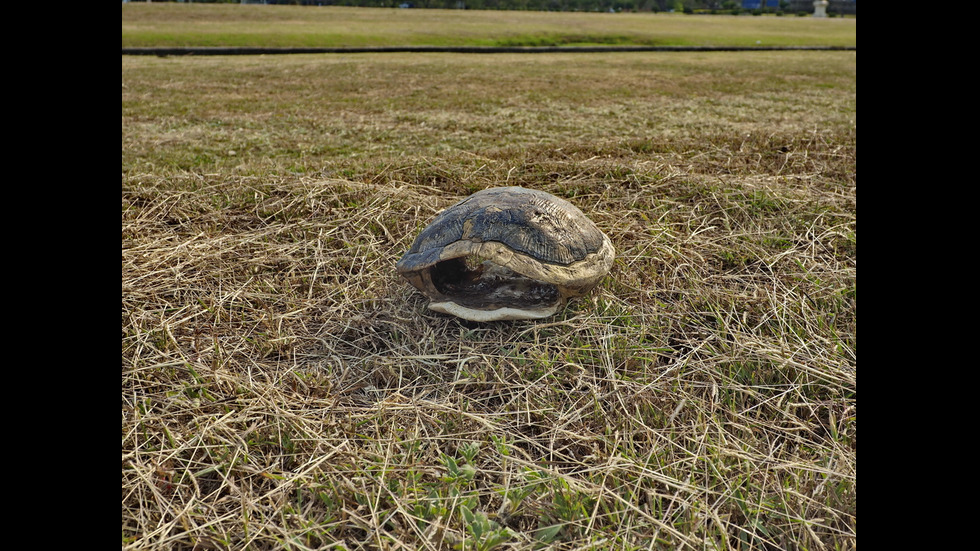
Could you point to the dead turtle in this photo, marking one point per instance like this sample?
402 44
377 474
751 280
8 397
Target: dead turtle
507 253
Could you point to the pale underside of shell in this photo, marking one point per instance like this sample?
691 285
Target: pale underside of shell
507 253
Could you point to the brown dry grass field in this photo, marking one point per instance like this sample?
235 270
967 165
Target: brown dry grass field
282 388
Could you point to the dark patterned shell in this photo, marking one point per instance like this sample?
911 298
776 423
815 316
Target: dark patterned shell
537 237
530 222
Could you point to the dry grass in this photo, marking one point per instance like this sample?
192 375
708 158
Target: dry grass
283 389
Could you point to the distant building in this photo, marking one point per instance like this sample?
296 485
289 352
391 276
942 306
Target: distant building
758 4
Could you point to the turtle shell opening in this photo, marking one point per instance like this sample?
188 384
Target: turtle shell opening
482 284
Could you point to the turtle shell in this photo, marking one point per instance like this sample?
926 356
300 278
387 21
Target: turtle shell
507 253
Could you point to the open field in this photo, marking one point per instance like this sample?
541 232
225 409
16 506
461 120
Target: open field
283 389
230 25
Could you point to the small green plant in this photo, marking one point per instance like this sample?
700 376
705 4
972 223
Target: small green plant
486 533
456 493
